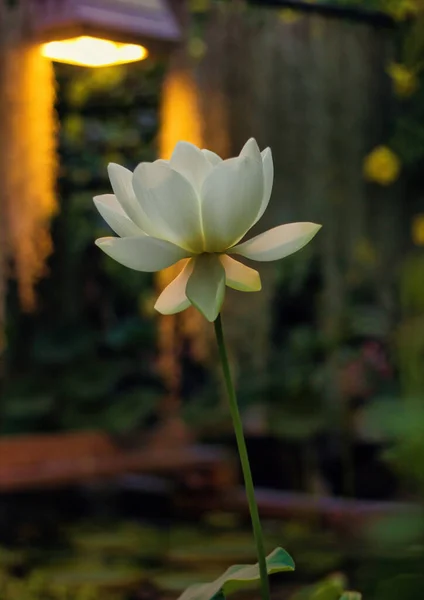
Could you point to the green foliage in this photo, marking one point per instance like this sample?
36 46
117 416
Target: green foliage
396 541
398 422
95 563
123 542
297 376
412 285
331 588
238 577
112 560
38 587
328 589
406 587
391 7
405 531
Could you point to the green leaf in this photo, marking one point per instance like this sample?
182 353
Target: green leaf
351 596
237 577
330 588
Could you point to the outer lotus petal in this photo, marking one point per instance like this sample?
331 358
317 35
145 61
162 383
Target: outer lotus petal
121 181
170 203
190 161
114 215
213 158
231 198
278 242
142 253
238 276
173 299
251 149
268 167
206 286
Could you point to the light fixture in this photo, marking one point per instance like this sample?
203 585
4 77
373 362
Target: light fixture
96 33
90 51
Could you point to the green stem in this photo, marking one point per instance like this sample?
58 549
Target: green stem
244 459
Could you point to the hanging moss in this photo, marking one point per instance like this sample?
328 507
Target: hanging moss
28 162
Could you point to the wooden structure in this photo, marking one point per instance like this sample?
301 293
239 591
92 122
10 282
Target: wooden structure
42 461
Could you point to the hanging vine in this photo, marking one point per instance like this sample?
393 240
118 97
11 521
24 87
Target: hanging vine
28 161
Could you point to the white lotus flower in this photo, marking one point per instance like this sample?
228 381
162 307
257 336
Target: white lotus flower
195 208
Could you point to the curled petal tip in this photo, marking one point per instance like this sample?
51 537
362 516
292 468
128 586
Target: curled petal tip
251 149
278 242
100 242
317 226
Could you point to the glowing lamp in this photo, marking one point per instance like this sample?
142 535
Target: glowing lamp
97 33
92 52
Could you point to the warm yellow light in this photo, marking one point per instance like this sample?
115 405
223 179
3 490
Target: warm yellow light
418 230
89 51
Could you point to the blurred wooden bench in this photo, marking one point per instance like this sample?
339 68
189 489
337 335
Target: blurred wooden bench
40 461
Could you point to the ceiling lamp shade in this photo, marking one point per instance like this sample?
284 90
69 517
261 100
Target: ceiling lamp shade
103 32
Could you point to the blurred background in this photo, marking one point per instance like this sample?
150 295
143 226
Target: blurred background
119 478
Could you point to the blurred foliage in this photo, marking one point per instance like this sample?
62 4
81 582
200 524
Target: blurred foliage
405 139
330 588
396 542
397 9
92 563
122 560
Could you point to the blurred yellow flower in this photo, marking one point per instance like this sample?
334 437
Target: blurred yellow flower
382 166
288 15
199 6
197 48
402 9
404 80
418 230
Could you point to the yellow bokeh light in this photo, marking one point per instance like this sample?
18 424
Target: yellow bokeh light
418 230
404 80
382 166
89 51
